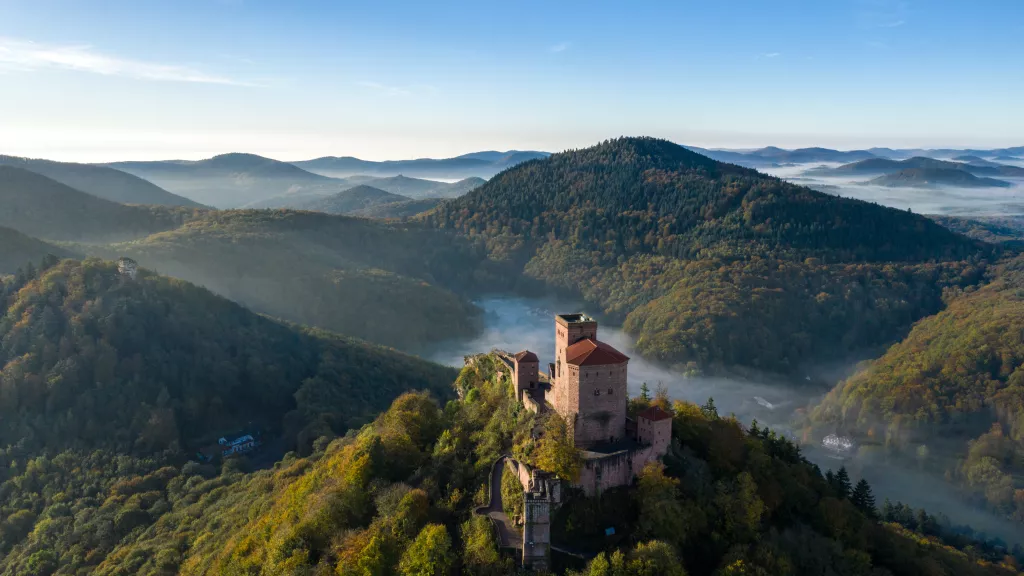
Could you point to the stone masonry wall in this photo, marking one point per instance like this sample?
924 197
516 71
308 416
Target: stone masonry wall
600 403
619 469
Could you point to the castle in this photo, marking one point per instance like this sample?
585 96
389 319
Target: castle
586 385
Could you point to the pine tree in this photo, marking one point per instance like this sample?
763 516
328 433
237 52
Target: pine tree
831 479
842 483
709 410
645 392
754 431
863 499
888 511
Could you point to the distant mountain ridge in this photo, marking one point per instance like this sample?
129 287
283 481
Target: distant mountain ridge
353 199
230 180
477 164
882 166
43 208
774 156
101 181
932 177
410 188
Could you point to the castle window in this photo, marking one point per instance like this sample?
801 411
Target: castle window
610 391
597 392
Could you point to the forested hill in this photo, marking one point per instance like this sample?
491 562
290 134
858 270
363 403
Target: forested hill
18 251
643 195
43 208
715 264
950 396
101 181
397 285
397 497
91 360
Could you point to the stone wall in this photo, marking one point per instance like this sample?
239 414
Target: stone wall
614 470
601 403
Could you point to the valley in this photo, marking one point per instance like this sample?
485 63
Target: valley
724 282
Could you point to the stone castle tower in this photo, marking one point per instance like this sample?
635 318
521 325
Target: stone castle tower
588 383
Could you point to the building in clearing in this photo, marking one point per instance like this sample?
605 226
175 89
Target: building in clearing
587 386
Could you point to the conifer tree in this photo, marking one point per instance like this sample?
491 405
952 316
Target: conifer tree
863 499
842 483
709 410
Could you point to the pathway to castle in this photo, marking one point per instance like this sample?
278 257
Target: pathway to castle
510 536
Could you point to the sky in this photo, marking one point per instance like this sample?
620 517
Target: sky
128 80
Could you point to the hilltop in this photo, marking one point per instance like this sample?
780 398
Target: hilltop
711 263
417 188
230 180
353 199
936 177
38 206
100 181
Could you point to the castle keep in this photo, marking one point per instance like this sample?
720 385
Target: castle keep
587 386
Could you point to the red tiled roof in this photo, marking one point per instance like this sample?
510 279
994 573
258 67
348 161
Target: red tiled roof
526 356
591 352
654 414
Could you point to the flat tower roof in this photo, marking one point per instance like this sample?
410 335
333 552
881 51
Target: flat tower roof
574 318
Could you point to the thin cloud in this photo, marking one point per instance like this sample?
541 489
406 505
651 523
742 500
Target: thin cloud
769 55
25 56
883 13
560 47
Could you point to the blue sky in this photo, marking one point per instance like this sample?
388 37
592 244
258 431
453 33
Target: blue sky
97 81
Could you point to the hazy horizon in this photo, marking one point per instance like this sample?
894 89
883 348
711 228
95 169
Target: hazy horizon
196 155
393 80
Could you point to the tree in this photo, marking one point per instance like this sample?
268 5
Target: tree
660 512
480 553
863 499
557 452
709 410
654 559
430 554
645 392
842 483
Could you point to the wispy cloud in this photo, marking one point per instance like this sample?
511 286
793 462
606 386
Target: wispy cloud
883 13
768 55
388 90
560 47
25 56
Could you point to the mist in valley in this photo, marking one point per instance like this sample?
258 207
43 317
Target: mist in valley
940 200
514 323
